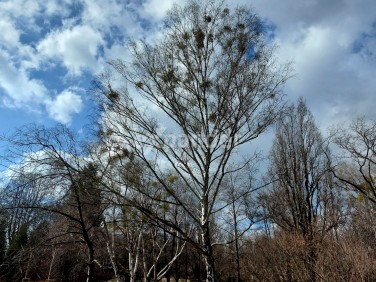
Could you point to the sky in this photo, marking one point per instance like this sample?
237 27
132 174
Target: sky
50 51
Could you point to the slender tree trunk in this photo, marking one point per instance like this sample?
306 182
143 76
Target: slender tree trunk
51 264
236 242
90 269
134 258
89 245
111 253
111 247
209 258
132 276
154 258
312 260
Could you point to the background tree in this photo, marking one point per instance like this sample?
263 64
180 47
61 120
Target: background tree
356 164
19 220
3 241
84 210
70 184
303 199
24 189
355 168
238 212
215 83
151 247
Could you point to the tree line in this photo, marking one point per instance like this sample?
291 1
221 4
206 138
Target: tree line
170 187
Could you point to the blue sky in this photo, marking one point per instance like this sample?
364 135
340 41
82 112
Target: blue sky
51 50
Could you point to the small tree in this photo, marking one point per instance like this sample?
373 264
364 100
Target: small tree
209 86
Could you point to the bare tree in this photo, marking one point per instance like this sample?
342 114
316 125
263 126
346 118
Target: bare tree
356 166
237 213
135 230
208 87
303 199
70 182
18 221
355 170
24 189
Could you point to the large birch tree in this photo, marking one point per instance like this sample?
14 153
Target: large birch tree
183 106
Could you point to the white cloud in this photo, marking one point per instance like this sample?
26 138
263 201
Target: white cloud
104 14
23 8
21 90
319 36
9 36
64 105
333 44
117 20
76 48
157 9
26 12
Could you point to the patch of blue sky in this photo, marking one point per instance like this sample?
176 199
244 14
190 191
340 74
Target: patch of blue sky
13 118
56 81
268 28
251 52
47 24
146 24
30 37
42 25
362 44
100 52
54 77
75 9
116 35
84 122
265 28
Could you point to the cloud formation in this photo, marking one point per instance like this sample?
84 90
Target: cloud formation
64 105
332 44
75 48
22 90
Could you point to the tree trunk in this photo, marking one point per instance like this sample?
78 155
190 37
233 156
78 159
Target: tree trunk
110 244
90 269
209 259
312 260
236 242
132 276
51 264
